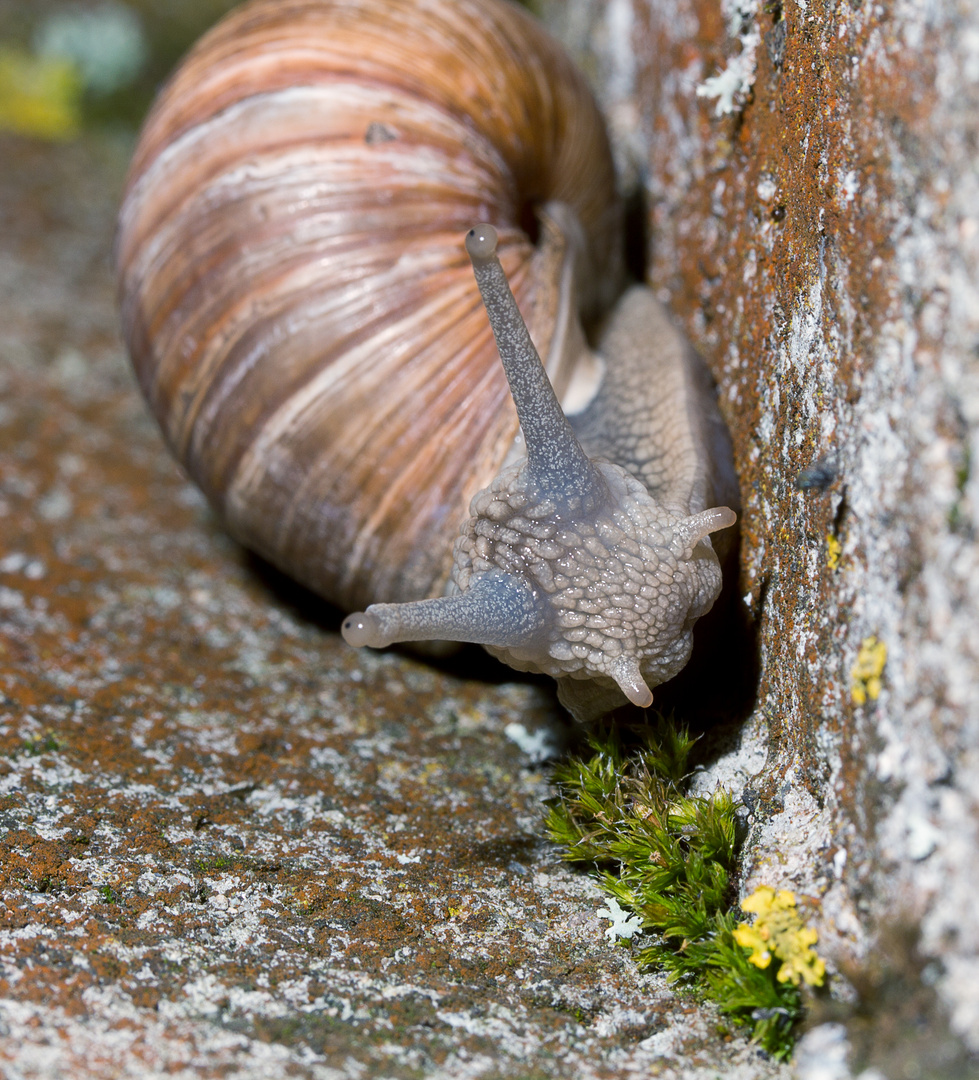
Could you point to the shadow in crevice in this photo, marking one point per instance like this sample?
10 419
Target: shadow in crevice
635 214
899 1026
716 692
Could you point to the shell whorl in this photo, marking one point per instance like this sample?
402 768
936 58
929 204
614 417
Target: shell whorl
296 296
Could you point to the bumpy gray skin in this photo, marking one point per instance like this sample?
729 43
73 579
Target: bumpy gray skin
619 591
590 558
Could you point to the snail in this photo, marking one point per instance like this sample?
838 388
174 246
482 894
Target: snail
302 316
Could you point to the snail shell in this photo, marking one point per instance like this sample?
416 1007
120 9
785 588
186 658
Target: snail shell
303 320
296 298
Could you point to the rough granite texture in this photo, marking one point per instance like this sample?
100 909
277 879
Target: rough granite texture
229 845
810 172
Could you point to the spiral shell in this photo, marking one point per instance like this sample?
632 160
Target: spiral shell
296 297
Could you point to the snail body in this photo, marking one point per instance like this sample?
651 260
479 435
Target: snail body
302 318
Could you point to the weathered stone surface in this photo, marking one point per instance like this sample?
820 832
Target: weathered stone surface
230 846
812 179
210 810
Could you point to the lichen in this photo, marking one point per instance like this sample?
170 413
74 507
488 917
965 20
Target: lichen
778 933
623 926
39 96
732 86
865 676
834 549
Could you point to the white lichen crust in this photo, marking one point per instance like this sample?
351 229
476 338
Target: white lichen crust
618 588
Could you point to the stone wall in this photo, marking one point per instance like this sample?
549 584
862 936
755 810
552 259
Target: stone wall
811 184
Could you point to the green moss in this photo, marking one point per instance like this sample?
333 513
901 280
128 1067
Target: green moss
242 864
212 866
670 858
962 473
36 747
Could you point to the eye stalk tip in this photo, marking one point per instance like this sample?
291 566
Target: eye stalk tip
481 243
360 629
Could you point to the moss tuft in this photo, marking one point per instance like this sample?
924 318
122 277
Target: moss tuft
670 857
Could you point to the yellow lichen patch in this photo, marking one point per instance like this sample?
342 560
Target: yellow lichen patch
778 932
866 674
834 549
39 96
748 937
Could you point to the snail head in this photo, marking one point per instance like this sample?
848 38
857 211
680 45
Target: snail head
567 566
